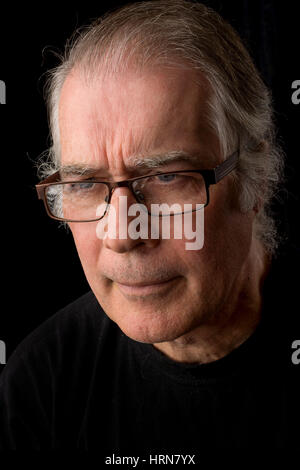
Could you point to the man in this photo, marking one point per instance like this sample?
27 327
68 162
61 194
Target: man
174 349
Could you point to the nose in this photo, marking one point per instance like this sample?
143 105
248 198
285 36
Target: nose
129 231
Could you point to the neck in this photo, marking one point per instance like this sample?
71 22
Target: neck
234 325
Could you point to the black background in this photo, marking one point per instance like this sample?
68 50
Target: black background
40 269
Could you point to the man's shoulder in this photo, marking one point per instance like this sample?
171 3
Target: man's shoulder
82 312
79 326
84 306
281 289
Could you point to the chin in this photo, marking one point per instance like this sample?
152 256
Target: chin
148 337
152 330
157 321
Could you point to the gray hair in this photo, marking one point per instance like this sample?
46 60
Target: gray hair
181 33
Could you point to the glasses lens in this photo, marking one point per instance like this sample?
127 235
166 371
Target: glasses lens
78 201
171 193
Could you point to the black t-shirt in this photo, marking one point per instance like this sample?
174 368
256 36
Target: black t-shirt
78 382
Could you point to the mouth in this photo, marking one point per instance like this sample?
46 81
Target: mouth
147 288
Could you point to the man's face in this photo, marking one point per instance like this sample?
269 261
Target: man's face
155 290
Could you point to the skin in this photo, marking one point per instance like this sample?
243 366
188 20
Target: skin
213 302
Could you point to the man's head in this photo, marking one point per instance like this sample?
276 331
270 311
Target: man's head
150 79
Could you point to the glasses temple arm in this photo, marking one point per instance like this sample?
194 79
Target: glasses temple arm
226 167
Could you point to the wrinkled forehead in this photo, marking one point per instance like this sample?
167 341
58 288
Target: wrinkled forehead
116 117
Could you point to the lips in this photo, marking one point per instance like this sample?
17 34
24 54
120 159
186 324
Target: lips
143 289
145 283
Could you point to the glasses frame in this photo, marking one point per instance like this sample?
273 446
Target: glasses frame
210 176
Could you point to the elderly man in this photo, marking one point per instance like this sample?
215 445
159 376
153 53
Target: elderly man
175 347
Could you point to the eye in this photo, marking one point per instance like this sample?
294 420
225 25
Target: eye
166 178
85 185
80 186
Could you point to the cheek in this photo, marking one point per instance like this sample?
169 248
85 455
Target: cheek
210 270
226 227
87 244
228 237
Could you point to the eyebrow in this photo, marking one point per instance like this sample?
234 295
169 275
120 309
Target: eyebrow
135 162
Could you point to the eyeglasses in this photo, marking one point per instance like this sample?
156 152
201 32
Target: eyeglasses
87 200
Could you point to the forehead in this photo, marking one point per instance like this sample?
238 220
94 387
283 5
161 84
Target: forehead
108 120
